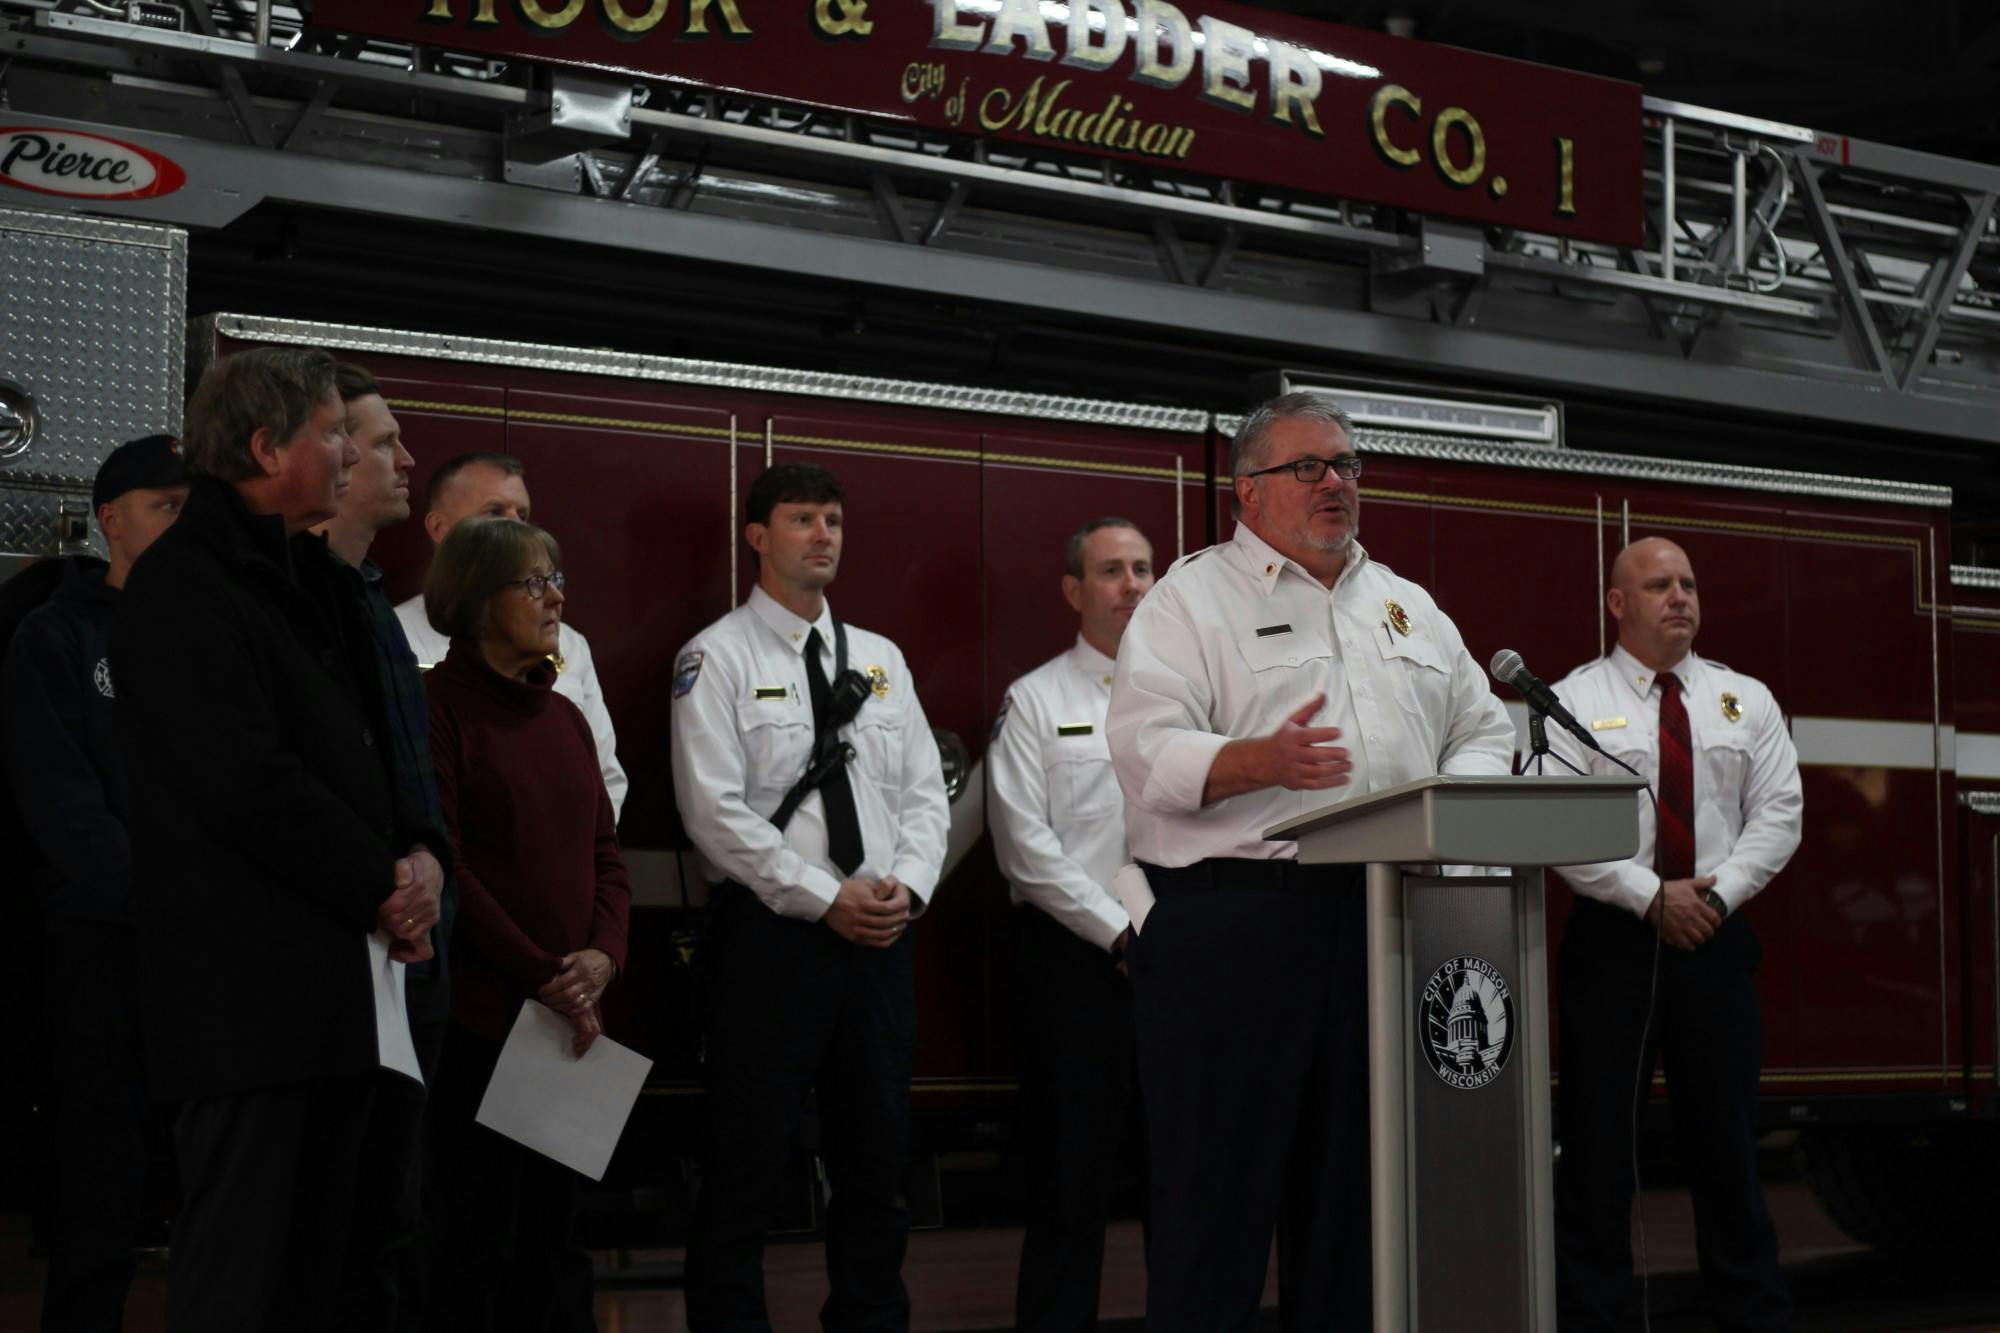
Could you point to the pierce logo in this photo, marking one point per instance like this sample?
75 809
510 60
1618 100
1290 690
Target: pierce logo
84 166
1465 1022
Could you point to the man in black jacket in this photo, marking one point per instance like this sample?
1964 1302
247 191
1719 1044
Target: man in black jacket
268 845
69 786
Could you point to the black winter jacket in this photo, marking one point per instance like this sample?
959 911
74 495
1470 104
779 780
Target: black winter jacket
62 758
264 826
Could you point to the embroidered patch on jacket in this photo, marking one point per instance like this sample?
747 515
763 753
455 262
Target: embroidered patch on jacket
1732 707
1399 619
687 671
1074 729
100 676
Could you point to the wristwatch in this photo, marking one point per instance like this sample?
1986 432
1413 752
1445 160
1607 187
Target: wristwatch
1714 900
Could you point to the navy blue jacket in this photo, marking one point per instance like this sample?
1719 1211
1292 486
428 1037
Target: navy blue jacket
62 757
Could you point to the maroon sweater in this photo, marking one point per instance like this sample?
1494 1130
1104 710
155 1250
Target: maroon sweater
539 874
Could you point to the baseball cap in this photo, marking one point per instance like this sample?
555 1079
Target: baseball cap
154 460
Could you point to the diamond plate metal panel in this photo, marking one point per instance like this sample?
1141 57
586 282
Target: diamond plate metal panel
95 313
28 522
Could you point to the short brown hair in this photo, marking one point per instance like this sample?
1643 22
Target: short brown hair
478 558
354 381
275 388
1073 553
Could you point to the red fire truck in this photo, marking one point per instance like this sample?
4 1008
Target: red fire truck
1773 345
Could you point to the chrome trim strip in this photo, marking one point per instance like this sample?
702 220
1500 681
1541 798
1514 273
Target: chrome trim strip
1637 467
717 374
1937 781
1597 539
735 579
1975 576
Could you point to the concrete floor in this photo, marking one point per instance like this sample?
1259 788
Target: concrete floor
964 1280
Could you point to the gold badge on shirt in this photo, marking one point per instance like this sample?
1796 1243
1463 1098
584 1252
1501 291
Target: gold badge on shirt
556 661
1732 707
878 681
1399 619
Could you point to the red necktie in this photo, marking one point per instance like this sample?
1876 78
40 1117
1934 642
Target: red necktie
1676 784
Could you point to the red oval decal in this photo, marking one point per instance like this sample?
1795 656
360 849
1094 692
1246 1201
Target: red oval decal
84 166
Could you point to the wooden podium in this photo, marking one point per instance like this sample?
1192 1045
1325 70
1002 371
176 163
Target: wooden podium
1458 1030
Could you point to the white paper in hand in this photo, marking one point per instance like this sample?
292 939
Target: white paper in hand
567 1109
393 1046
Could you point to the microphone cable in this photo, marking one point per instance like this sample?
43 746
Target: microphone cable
1645 1035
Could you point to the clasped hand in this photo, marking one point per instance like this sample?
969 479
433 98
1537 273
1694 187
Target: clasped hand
870 912
413 906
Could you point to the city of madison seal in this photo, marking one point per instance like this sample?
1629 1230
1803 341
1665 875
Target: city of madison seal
1465 1022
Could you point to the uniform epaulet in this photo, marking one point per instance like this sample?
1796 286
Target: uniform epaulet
1189 559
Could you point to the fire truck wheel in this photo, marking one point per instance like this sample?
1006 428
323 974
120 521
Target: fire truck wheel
1916 1191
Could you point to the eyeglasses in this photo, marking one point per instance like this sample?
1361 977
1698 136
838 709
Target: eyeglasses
1310 470
537 585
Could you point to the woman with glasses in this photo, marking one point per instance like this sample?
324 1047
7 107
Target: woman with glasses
543 899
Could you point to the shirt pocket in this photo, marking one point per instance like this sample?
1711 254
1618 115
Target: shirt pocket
777 742
1417 672
1082 786
1280 653
1725 764
877 737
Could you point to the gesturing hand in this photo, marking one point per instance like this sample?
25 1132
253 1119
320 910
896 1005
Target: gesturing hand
1297 756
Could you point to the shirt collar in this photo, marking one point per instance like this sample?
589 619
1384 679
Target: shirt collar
1091 664
1639 677
790 627
1266 565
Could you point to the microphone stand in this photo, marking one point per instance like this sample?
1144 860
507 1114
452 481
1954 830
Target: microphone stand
1538 743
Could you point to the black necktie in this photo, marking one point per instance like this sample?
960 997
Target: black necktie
1676 783
843 823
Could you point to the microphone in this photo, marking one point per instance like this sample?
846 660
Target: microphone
1509 669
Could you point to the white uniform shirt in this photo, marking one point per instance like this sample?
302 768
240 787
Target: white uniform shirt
743 734
1057 816
1747 803
576 682
1234 639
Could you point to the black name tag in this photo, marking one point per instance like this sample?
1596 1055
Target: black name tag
1268 630
772 692
1073 729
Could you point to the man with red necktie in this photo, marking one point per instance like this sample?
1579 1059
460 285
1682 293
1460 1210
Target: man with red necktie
1721 758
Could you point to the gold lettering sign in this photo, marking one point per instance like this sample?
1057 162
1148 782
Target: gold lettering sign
1038 110
625 25
1391 94
853 20
1470 173
732 18
532 12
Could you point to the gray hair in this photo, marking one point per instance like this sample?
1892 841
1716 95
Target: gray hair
1073 554
274 388
1246 451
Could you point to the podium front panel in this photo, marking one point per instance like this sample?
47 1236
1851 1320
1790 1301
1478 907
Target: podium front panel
1471 1006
